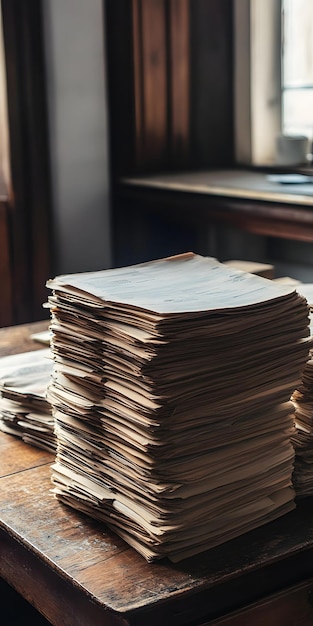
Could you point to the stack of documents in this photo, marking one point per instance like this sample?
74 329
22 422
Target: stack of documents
24 409
302 399
171 394
303 437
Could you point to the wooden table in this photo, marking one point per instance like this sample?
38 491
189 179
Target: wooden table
77 573
246 200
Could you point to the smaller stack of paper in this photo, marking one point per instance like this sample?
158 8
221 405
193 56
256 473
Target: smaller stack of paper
24 408
252 267
302 399
303 439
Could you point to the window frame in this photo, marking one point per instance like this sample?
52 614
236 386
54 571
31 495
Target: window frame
257 80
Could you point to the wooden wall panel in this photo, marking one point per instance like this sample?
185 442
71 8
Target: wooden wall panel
179 79
29 197
18 194
150 68
6 302
121 33
161 82
211 84
175 64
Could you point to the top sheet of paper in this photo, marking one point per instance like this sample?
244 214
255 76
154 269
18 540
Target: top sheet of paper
184 283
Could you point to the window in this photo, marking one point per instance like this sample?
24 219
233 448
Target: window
273 72
297 67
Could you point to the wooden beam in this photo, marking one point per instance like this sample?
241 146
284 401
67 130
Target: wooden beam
179 79
6 295
30 232
150 79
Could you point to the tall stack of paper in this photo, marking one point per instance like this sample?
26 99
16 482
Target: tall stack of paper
171 395
24 409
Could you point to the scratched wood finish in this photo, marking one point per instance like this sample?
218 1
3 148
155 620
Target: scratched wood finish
85 554
17 338
77 572
16 456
